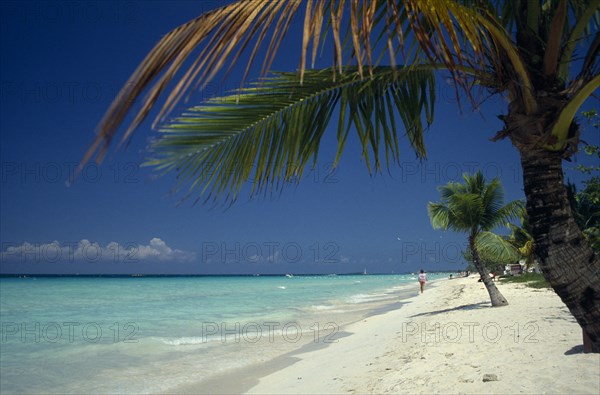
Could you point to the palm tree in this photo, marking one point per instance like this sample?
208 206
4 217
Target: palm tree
475 208
531 52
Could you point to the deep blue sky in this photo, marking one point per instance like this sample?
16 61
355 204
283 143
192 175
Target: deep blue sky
62 64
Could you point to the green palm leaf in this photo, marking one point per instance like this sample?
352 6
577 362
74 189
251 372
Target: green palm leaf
439 214
492 245
271 131
467 211
509 211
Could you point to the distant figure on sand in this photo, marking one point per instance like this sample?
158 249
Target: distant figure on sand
422 279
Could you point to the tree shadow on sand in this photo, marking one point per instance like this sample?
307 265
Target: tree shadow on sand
575 350
472 306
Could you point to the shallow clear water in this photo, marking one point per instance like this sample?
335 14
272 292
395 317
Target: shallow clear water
144 335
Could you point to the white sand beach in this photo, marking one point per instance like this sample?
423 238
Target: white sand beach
447 340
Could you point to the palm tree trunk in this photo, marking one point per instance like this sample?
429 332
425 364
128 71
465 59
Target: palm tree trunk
565 257
495 296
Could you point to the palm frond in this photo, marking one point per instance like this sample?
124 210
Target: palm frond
270 131
467 211
591 62
464 36
493 200
474 183
518 236
222 33
560 128
553 45
583 16
496 247
509 211
471 36
439 215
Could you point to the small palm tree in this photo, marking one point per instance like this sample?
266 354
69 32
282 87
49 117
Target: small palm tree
475 208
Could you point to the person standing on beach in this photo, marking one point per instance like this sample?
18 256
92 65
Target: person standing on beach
422 279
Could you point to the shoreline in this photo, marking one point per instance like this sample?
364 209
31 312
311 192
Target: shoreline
446 340
242 379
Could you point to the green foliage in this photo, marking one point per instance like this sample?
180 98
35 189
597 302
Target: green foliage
532 280
512 48
272 130
586 210
592 117
593 120
493 256
586 203
496 249
522 239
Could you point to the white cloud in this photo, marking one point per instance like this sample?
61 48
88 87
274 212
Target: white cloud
87 251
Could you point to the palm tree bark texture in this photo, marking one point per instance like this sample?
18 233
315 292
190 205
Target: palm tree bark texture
567 261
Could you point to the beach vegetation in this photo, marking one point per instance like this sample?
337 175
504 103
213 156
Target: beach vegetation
586 208
532 280
521 238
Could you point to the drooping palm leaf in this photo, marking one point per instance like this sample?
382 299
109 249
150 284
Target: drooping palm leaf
271 131
222 34
560 129
472 39
472 36
584 11
497 247
439 215
461 35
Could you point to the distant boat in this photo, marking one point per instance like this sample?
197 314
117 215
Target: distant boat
365 271
289 275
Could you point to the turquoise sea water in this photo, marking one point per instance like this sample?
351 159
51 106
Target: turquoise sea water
148 335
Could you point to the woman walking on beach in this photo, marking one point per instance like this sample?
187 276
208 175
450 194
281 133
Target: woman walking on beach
422 279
